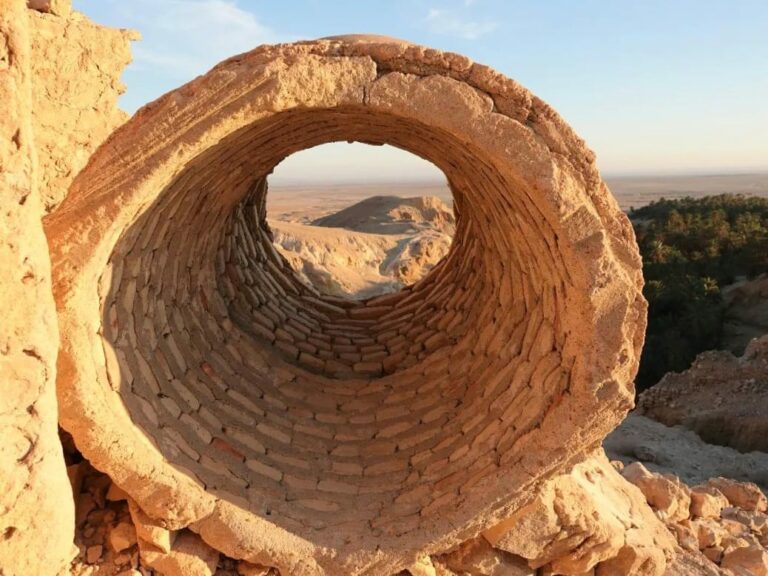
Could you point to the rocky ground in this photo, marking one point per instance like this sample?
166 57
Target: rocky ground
723 398
114 538
676 450
721 525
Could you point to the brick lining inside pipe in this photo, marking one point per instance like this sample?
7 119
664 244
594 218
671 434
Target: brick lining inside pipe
324 436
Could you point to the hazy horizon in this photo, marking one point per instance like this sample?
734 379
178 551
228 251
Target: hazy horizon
404 182
629 191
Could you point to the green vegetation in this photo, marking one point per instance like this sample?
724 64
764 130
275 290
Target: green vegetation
691 248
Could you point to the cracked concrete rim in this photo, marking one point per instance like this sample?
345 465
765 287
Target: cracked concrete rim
317 435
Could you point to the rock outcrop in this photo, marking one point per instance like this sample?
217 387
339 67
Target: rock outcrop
35 497
374 247
589 521
721 397
76 67
322 436
746 313
54 113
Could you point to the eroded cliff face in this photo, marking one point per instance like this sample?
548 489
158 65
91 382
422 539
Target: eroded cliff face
35 496
53 114
76 67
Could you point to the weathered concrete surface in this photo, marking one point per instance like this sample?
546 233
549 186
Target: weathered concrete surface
314 434
36 508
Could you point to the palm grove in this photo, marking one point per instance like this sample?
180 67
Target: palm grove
691 248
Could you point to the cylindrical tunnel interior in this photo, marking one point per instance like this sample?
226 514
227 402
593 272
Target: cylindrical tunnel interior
317 411
301 430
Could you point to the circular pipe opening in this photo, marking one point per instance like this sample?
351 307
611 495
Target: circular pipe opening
317 434
358 221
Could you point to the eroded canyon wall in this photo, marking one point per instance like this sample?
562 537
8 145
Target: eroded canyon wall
35 497
58 88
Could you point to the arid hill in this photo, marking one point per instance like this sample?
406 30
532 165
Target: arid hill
373 247
723 398
393 215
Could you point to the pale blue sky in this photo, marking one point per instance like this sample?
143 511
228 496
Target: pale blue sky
656 86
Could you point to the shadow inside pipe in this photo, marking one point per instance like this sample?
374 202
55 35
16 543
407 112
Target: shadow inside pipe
334 419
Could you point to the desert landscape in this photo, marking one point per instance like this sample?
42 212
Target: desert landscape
520 373
296 202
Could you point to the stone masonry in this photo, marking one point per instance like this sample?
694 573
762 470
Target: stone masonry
320 435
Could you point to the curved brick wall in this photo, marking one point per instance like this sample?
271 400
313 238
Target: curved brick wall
320 435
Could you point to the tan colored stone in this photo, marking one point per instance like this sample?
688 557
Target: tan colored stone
115 493
36 501
745 495
746 561
189 556
686 563
197 310
757 522
93 553
708 532
122 536
478 557
422 567
149 530
707 502
714 554
74 97
581 520
76 472
687 538
665 493
248 569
